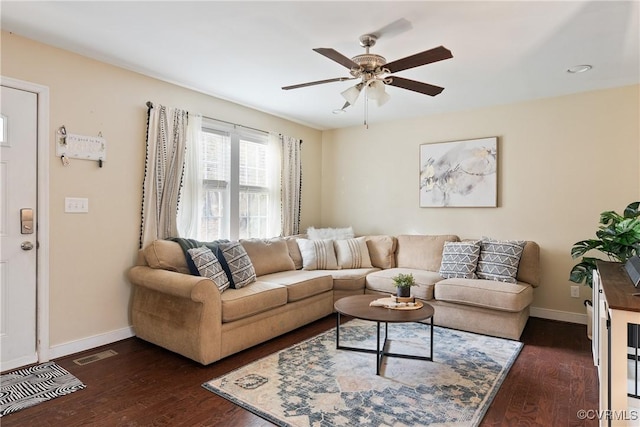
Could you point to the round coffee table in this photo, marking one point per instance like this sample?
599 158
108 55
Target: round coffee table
357 306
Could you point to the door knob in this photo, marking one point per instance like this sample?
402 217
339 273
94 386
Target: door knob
26 246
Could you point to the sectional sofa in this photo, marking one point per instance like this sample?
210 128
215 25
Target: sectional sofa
188 314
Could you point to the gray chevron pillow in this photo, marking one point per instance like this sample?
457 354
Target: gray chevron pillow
240 266
499 260
209 266
460 259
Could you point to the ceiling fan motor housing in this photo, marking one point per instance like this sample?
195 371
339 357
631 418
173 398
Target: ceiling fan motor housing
369 62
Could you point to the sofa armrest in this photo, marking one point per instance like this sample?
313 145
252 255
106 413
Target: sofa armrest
195 288
177 311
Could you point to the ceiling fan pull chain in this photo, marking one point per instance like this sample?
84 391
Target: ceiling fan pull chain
366 107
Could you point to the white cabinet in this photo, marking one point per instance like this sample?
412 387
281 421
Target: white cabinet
614 307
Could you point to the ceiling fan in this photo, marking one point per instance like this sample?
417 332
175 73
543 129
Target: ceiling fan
374 72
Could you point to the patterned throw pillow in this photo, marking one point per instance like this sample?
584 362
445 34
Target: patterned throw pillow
317 254
460 259
352 253
499 259
209 266
239 263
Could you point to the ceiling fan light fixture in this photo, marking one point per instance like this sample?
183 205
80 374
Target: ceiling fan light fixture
375 89
351 95
383 99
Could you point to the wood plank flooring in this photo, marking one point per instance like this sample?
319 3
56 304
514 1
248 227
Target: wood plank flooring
145 385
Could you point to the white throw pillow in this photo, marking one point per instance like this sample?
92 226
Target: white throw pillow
317 254
330 233
209 266
352 253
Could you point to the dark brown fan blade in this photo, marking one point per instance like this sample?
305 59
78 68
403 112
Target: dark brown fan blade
427 57
334 55
319 82
415 86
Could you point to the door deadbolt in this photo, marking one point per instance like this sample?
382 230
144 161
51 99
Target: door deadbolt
26 221
26 246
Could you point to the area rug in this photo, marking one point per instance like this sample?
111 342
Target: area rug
314 384
27 387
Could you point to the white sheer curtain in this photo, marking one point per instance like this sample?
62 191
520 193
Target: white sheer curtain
274 180
291 184
191 197
166 142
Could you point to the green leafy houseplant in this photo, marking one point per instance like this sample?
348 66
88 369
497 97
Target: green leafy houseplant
618 237
404 282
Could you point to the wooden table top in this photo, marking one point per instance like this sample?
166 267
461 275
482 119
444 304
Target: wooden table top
358 306
617 287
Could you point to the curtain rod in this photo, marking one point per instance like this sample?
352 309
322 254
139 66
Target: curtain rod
150 105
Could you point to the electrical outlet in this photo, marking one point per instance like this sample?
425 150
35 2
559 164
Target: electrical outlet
575 291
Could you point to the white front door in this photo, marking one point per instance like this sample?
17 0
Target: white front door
18 198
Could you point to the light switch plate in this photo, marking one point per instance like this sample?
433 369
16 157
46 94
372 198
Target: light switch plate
76 205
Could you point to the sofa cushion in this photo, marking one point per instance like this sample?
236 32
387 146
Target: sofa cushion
512 297
499 259
352 253
351 279
294 249
317 254
382 281
529 267
382 251
330 233
268 255
240 269
422 252
460 259
251 299
166 255
209 266
301 284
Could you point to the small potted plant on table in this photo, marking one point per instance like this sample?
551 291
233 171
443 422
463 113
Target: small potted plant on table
403 283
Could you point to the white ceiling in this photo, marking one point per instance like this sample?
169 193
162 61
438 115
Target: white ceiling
503 51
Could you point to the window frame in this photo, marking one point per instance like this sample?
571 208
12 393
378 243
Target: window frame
232 222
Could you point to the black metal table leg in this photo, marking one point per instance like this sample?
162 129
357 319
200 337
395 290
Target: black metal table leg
338 331
431 339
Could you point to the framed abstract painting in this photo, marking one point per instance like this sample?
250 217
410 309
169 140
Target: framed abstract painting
459 173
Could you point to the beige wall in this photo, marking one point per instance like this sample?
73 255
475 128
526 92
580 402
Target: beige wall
90 254
562 161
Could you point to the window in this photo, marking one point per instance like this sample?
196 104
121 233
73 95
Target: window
237 197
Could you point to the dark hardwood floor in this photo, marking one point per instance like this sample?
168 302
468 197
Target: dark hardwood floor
145 385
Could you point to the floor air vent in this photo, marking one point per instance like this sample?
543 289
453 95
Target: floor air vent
94 357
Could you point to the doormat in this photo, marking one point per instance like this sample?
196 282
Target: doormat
314 384
27 387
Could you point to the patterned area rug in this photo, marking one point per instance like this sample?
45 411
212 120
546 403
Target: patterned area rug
313 384
27 387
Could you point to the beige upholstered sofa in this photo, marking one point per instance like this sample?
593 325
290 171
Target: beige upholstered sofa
187 314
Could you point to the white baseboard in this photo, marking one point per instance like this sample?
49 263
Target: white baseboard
88 343
564 316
